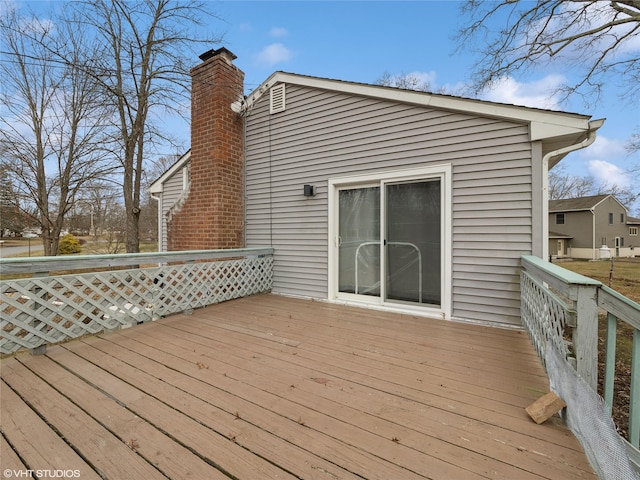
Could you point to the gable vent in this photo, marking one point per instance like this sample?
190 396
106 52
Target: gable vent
277 103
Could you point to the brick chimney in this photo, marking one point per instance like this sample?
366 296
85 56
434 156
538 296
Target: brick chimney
212 215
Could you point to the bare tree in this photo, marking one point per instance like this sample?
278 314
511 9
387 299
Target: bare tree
563 185
634 144
590 37
53 124
94 202
406 81
11 218
591 40
143 70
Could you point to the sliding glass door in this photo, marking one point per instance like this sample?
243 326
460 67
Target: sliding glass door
391 231
359 241
412 249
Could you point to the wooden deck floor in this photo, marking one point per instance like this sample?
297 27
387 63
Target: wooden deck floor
269 387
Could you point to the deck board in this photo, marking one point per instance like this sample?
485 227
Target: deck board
274 387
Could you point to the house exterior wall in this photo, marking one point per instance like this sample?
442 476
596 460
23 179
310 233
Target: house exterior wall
591 230
559 247
322 135
579 225
174 190
606 232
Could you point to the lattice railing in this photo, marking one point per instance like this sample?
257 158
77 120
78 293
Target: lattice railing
546 318
49 309
559 308
560 312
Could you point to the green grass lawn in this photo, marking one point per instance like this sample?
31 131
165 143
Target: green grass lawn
623 272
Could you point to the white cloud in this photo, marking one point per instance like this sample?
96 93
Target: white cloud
606 173
273 54
278 32
604 147
425 77
538 94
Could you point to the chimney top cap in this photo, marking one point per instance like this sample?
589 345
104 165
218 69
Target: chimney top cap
214 53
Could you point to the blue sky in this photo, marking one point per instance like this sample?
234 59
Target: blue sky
359 41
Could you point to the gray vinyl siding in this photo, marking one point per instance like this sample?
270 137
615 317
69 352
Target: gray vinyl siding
172 191
606 231
580 225
323 135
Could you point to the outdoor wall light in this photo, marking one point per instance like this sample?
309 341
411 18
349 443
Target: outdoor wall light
309 191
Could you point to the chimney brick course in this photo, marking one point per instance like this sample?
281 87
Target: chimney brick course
212 216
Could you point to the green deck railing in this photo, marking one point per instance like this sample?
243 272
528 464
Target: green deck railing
67 297
561 308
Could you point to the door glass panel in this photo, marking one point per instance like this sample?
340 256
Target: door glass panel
359 241
413 242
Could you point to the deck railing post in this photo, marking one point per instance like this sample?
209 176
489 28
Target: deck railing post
585 335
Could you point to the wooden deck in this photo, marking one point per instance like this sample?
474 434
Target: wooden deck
269 387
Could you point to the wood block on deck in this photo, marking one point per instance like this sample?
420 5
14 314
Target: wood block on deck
545 407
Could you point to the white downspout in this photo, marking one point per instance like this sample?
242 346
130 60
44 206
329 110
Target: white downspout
159 219
593 234
594 125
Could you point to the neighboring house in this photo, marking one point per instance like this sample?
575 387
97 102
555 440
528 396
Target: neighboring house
592 227
634 235
170 190
370 195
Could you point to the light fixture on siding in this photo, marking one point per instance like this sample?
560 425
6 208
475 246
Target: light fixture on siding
309 191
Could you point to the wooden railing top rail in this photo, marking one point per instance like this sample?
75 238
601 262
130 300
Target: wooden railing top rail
561 279
621 307
76 262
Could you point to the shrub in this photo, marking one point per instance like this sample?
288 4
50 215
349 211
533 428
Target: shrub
68 245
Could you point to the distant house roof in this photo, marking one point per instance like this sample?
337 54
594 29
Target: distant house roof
559 235
579 204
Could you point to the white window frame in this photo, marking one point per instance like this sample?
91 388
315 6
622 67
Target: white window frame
441 172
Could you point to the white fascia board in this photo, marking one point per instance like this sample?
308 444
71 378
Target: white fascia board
158 185
544 124
541 130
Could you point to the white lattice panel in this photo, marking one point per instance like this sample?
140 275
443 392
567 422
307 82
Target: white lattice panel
41 310
545 317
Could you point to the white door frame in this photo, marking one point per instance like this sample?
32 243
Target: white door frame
442 172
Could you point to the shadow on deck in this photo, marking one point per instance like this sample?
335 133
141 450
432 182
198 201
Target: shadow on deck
269 387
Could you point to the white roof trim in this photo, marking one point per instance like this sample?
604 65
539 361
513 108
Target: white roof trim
544 123
158 185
